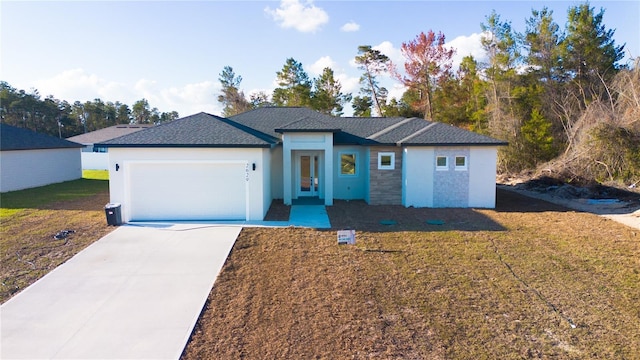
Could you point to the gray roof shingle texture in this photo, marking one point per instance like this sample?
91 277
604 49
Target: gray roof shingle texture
15 138
443 134
263 127
199 130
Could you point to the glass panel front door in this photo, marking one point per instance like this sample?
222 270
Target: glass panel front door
308 176
305 174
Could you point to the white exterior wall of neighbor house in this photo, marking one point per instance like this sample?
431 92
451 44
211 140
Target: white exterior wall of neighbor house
426 186
482 176
23 169
95 161
350 187
125 158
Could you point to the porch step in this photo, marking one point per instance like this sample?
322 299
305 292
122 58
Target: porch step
307 200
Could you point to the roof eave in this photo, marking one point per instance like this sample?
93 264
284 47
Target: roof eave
42 148
282 131
455 144
184 145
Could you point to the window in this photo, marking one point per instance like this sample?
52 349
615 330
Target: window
442 163
461 163
386 161
348 164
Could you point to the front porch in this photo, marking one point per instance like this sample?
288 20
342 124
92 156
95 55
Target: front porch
307 159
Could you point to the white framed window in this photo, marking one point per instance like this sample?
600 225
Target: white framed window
461 163
386 161
348 164
442 163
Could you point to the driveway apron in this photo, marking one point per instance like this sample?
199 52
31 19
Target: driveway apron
134 294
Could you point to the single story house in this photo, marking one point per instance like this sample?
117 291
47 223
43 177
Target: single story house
30 159
204 167
95 158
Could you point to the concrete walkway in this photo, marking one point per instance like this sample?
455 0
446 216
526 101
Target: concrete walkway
313 216
134 294
310 216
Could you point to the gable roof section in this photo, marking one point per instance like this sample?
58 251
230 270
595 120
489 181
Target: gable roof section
108 133
368 128
440 134
275 120
199 130
15 138
308 125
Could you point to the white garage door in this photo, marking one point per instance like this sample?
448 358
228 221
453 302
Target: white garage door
188 191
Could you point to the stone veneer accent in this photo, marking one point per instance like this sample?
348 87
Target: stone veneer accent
385 186
451 187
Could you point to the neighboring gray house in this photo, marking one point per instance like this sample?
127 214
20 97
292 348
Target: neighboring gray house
30 159
204 167
97 158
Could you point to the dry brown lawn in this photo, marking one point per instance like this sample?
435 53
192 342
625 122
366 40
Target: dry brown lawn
526 280
28 249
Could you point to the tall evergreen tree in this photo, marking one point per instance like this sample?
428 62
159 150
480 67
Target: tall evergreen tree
502 46
294 85
362 106
589 54
232 97
327 96
141 112
373 63
542 39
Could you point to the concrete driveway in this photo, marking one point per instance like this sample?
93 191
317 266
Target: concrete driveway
134 294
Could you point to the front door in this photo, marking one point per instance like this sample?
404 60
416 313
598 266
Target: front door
308 182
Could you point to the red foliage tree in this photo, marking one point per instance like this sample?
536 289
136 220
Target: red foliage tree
427 63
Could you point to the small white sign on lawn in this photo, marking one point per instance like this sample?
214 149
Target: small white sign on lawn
347 237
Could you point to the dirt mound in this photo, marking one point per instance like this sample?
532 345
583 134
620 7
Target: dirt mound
618 204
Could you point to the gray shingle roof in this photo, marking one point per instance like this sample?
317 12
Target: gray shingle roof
366 127
14 138
403 130
263 127
109 133
309 125
199 130
448 135
268 119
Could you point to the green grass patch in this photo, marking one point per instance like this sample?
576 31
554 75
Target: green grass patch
37 198
95 174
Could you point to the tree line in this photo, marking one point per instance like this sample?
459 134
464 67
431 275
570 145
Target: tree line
558 95
63 119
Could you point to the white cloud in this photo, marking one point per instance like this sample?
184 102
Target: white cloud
387 48
396 91
351 26
349 84
192 98
304 17
78 85
324 62
467 45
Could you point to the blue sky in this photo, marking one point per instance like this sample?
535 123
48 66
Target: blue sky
171 52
